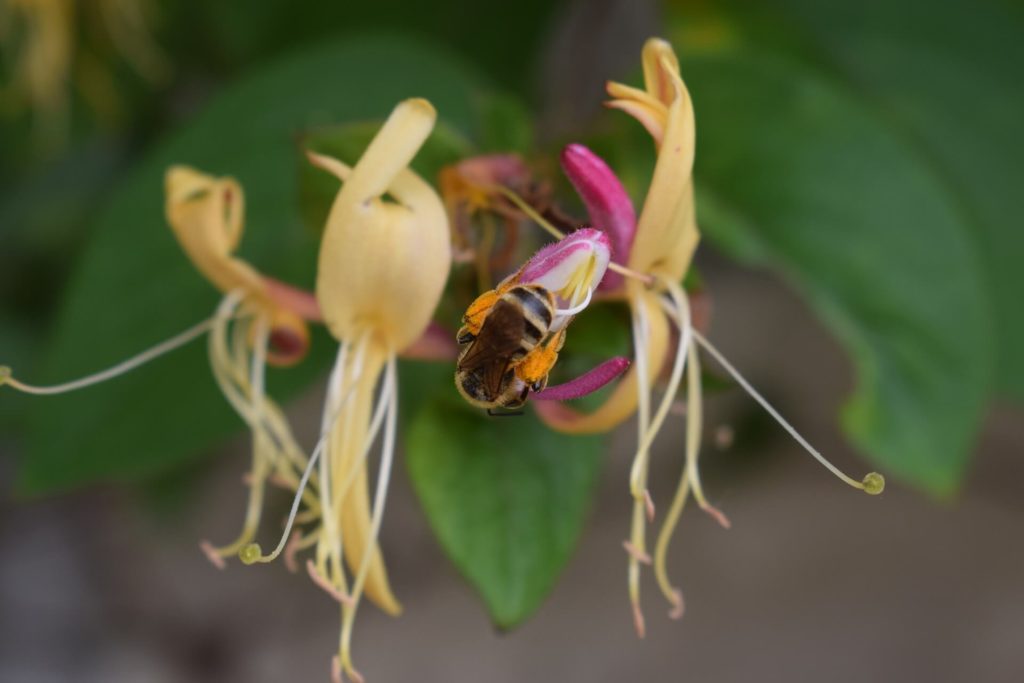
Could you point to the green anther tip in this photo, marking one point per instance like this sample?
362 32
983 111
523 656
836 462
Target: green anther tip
874 483
5 374
250 554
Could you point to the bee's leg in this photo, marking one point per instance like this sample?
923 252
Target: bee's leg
464 336
473 319
534 368
504 413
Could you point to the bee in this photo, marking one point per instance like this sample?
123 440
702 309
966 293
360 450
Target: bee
508 351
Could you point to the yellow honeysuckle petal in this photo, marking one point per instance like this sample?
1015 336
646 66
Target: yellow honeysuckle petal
649 117
621 91
390 151
337 168
666 232
383 264
684 227
206 215
659 64
621 405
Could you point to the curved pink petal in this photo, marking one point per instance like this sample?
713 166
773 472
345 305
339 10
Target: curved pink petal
610 208
587 383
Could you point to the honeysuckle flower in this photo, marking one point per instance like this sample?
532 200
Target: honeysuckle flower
567 273
384 259
656 249
260 321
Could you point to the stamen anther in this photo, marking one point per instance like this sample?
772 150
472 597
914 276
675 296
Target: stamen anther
638 621
215 558
637 554
678 606
649 505
327 586
290 551
717 514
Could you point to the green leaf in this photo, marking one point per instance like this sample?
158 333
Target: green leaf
506 497
795 172
135 287
946 76
243 31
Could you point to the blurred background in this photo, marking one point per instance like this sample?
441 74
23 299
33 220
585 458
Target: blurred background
856 180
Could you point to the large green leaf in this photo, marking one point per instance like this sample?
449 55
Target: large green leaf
506 497
796 172
502 41
947 77
134 286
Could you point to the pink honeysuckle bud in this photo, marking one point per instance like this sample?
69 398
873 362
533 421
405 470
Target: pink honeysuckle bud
608 205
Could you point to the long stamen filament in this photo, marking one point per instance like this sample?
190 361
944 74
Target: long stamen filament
252 552
668 527
160 349
679 363
329 548
379 500
379 413
680 313
638 475
873 482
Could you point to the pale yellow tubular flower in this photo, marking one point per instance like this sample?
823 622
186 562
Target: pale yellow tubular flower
207 216
384 259
257 323
660 252
667 235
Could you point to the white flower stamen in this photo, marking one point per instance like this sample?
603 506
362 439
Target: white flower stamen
873 482
164 347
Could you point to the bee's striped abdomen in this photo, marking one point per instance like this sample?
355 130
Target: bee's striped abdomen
536 305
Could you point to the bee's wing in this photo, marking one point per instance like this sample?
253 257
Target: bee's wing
491 352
